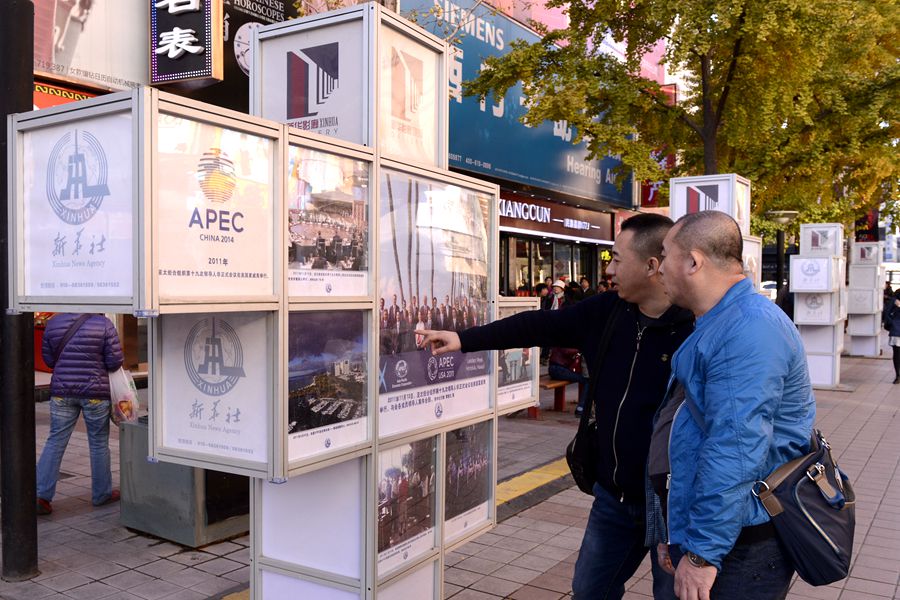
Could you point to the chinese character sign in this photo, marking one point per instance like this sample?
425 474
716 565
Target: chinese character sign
185 40
433 275
78 209
216 211
216 391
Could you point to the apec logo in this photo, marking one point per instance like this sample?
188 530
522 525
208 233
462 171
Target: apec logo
217 180
401 370
77 173
213 357
312 76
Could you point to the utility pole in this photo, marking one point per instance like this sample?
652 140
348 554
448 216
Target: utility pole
18 525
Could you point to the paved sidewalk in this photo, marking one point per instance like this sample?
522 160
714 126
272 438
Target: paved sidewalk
531 556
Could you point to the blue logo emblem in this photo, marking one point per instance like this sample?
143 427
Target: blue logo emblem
77 177
328 442
438 410
328 288
213 357
401 369
405 554
432 368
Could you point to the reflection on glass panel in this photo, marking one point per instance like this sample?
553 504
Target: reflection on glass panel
328 197
518 264
542 261
583 262
562 261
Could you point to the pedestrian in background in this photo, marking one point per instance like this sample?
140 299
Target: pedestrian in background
892 324
81 350
745 380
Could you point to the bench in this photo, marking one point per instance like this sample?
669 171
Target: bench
559 393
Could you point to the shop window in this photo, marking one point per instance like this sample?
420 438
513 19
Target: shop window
518 266
541 261
562 261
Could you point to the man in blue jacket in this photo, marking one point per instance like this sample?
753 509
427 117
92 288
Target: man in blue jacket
631 383
81 350
749 409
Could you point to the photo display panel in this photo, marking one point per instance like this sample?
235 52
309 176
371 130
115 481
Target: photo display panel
328 224
328 382
408 115
216 388
277 586
406 503
78 208
433 274
516 367
216 211
468 479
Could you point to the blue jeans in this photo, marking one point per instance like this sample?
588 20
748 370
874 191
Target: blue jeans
758 571
63 416
561 373
612 550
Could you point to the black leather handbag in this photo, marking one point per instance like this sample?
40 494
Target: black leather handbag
581 453
813 508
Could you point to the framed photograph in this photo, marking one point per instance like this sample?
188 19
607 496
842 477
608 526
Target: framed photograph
752 259
434 274
212 390
518 369
328 204
328 381
405 476
468 479
216 211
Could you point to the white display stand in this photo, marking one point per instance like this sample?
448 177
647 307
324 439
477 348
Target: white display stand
820 299
362 74
518 370
864 303
729 193
144 202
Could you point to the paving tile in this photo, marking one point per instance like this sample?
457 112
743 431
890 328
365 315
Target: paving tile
92 591
241 575
100 570
187 595
66 581
451 589
514 573
533 593
188 578
192 557
496 586
460 577
219 566
215 586
160 568
127 580
479 565
222 548
154 590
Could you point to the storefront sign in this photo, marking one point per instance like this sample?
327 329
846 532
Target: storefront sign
185 40
487 136
47 94
216 211
98 43
77 209
531 215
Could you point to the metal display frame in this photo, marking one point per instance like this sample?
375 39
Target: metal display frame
157 405
532 399
144 105
493 192
374 17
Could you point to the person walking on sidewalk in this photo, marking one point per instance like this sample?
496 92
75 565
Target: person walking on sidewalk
81 350
634 374
750 409
892 324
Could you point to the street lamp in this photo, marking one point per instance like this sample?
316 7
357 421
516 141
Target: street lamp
784 218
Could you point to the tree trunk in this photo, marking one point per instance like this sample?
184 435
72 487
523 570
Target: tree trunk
710 158
390 191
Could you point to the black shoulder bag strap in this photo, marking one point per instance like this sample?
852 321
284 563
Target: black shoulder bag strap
72 330
594 368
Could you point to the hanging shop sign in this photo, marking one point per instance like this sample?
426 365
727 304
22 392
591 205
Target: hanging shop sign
519 214
100 44
488 136
185 40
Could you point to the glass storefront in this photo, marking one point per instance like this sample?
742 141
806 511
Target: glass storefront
526 261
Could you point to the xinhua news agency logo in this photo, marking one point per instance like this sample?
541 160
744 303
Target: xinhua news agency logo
820 238
814 302
312 76
215 174
406 85
213 357
702 197
811 268
77 177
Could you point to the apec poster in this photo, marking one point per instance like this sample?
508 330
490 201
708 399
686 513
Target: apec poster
327 381
487 137
216 211
78 209
433 255
328 224
216 388
408 110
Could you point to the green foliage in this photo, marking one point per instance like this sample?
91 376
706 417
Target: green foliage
801 97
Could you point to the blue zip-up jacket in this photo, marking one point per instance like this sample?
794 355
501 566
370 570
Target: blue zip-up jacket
745 370
84 364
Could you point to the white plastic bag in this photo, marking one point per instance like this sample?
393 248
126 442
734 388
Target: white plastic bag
123 397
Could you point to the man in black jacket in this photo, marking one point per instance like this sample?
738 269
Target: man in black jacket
633 378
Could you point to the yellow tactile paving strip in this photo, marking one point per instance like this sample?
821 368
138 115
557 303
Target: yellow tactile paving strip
530 480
